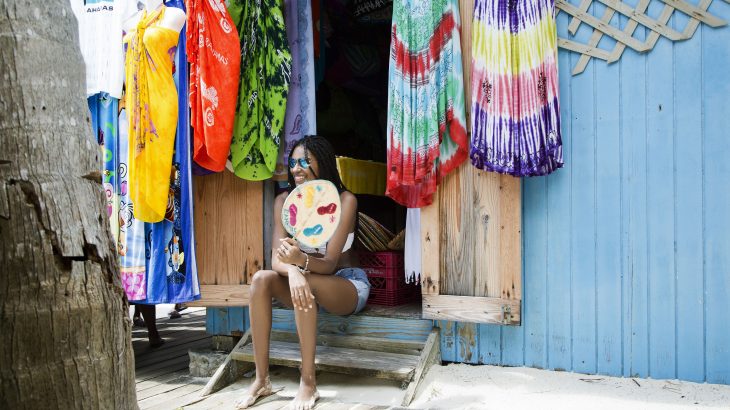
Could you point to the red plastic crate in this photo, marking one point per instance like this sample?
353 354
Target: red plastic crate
387 279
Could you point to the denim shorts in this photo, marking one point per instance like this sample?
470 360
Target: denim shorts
358 278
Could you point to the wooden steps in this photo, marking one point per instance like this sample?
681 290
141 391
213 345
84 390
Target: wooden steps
370 344
381 364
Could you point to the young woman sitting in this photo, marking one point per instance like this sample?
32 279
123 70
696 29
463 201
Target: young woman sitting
331 279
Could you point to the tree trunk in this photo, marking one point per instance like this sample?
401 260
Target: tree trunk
64 333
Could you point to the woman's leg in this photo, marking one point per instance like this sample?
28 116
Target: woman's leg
336 295
266 284
148 313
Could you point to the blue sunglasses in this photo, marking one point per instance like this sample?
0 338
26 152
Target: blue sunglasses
303 162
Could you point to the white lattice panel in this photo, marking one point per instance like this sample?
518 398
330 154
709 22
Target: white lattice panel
637 16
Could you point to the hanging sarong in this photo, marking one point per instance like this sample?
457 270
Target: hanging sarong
215 57
111 129
426 132
151 101
170 245
301 114
266 72
515 112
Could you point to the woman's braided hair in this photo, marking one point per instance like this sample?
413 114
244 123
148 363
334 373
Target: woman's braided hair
325 155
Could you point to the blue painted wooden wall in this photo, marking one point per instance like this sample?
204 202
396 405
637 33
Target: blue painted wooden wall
627 249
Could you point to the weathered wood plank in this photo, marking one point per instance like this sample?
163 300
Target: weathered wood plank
458 227
431 249
163 388
164 378
471 309
222 295
359 325
228 228
510 246
158 369
430 355
174 399
365 363
356 342
487 235
164 355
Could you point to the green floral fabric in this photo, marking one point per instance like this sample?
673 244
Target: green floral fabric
265 75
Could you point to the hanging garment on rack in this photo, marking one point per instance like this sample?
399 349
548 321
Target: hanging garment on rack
215 58
128 232
515 113
426 133
152 105
100 32
130 238
301 114
266 66
170 244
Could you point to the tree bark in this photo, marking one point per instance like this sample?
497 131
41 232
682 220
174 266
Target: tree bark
64 333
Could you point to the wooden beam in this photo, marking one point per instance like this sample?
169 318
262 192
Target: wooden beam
607 29
430 248
471 309
429 355
222 296
696 13
510 246
228 371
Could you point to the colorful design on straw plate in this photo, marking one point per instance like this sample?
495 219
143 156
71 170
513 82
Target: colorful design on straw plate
311 212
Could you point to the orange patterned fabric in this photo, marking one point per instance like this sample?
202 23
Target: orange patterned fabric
215 63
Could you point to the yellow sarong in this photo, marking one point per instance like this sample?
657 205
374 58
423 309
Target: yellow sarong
151 101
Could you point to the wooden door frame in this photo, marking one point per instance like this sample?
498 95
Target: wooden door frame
503 309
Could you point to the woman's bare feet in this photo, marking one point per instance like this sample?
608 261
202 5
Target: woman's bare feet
259 388
307 395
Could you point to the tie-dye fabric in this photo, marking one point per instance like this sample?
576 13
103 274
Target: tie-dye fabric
301 114
214 56
151 101
426 115
515 113
266 72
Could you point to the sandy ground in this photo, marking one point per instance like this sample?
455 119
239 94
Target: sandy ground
460 386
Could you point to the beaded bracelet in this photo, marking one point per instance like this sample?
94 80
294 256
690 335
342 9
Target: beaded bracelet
304 270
